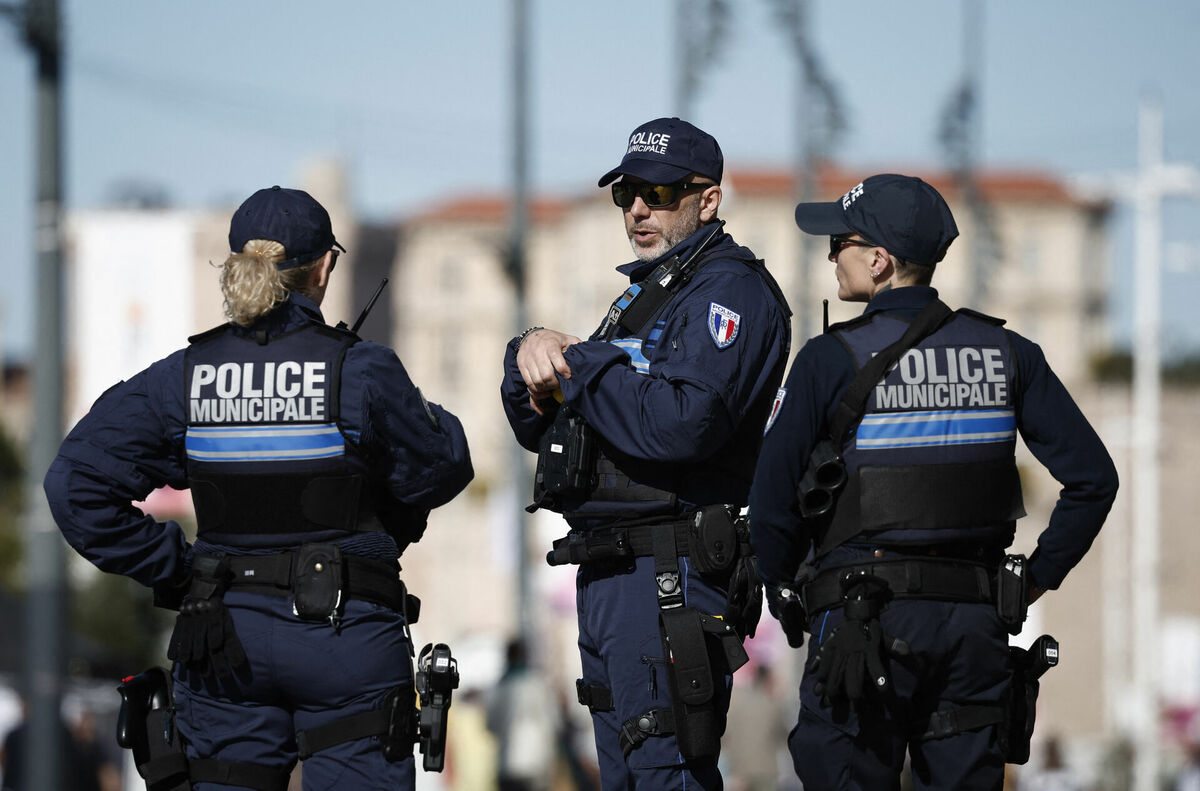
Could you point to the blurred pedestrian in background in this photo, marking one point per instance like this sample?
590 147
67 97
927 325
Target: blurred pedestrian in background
523 713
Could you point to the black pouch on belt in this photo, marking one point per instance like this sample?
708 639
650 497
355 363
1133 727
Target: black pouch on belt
712 542
317 582
1012 592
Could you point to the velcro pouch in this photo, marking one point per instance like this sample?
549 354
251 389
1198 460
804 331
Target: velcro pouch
1012 591
712 539
317 581
688 654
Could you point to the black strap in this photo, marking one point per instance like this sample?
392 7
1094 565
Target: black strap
615 486
854 401
596 698
666 566
945 580
635 730
951 722
346 729
237 773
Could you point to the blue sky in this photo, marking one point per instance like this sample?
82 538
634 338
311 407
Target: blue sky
208 101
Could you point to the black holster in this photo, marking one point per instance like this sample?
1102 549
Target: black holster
1020 699
694 644
146 725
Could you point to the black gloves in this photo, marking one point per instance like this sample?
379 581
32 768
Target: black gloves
854 658
204 639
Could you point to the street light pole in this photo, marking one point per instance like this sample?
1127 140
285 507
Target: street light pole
517 266
1154 181
46 594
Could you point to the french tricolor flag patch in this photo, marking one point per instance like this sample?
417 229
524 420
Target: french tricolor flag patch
723 325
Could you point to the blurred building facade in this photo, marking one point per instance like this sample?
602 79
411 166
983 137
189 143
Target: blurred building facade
140 281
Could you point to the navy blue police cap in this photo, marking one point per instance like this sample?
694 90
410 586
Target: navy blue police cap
902 214
667 150
288 216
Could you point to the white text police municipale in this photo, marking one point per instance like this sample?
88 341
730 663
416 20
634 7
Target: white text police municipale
258 392
946 377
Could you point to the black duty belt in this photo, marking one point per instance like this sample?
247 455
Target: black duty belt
946 580
364 578
614 543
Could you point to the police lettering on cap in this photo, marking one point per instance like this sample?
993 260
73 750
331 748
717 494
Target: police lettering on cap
902 214
668 150
288 216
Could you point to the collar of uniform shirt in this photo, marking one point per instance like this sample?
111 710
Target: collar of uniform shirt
906 298
638 270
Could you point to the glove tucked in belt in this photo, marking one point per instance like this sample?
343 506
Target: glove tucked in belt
204 639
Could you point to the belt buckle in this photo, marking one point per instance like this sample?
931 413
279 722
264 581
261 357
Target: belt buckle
670 593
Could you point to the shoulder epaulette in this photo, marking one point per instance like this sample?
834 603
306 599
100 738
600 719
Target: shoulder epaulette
981 316
849 323
340 332
209 334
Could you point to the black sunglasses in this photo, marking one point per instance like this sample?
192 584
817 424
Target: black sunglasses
655 196
839 243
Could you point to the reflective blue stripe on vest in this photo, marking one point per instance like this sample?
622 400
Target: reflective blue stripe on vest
946 427
264 443
637 358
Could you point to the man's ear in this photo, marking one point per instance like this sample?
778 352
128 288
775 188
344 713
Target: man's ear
710 200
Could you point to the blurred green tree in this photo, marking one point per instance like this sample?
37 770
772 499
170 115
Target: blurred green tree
12 500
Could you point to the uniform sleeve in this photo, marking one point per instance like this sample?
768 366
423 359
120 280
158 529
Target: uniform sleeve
129 444
691 402
1060 437
526 424
781 540
423 445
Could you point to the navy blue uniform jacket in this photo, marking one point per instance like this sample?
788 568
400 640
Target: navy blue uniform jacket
132 442
1048 420
674 410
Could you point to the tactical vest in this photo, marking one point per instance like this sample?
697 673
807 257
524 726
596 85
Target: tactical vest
935 447
268 461
614 486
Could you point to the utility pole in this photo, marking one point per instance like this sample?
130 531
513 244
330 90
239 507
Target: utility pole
46 592
1145 189
699 27
961 137
818 120
1155 180
517 266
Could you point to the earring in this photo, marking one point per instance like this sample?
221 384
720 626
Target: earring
874 275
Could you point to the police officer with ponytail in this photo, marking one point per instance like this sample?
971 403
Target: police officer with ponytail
313 461
646 435
889 476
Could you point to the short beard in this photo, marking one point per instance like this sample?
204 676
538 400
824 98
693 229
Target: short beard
686 222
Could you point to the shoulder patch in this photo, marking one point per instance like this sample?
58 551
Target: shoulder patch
780 394
723 325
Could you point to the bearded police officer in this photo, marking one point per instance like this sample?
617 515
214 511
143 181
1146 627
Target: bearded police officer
647 434
313 462
890 467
